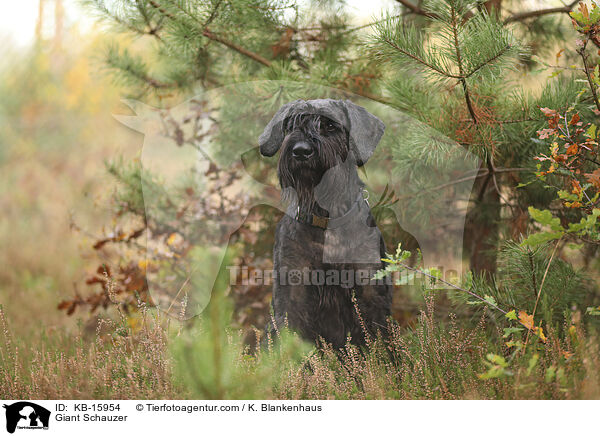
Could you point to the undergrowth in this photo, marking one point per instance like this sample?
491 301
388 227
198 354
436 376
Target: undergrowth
437 359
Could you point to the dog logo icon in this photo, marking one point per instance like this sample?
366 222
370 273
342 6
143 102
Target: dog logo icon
26 415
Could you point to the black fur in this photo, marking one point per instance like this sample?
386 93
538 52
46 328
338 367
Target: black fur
326 184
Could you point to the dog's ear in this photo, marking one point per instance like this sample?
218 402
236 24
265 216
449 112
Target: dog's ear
271 138
365 131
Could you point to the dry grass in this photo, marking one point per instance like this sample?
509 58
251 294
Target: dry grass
148 359
117 363
436 360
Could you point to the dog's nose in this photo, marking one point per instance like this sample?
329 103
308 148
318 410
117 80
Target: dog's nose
302 151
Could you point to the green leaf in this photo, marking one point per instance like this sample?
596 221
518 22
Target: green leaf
566 195
593 311
541 238
517 344
497 360
522 185
586 225
490 300
545 218
511 315
497 367
591 132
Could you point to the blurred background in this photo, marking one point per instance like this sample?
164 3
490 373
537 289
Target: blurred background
73 262
56 131
57 134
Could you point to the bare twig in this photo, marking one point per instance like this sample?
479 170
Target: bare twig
416 9
452 285
176 297
462 78
238 48
520 16
354 29
532 266
463 179
584 56
538 13
213 14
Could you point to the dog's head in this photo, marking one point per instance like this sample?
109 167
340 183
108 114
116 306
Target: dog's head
316 135
364 129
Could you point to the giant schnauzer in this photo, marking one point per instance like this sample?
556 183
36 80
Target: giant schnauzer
327 245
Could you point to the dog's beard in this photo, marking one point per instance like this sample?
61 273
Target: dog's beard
298 182
299 191
324 184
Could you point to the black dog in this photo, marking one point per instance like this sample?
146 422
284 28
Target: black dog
327 246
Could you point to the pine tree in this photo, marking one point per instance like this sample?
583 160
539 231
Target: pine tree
454 65
463 66
464 57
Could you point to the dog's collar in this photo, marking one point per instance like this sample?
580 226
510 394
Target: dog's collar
330 223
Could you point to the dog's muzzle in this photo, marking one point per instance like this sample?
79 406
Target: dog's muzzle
302 151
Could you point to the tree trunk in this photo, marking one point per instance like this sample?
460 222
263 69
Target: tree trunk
482 226
40 21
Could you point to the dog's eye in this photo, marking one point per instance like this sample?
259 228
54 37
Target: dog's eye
329 127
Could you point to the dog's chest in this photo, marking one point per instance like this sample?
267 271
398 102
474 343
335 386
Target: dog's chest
354 243
299 245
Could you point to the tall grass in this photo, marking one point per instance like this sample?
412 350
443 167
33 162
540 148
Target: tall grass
435 360
142 354
448 360
119 362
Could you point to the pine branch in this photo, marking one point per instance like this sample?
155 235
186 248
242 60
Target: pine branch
207 33
120 21
468 100
464 179
238 48
489 61
267 63
538 13
460 65
152 29
213 14
369 95
532 267
160 9
133 67
419 60
354 29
